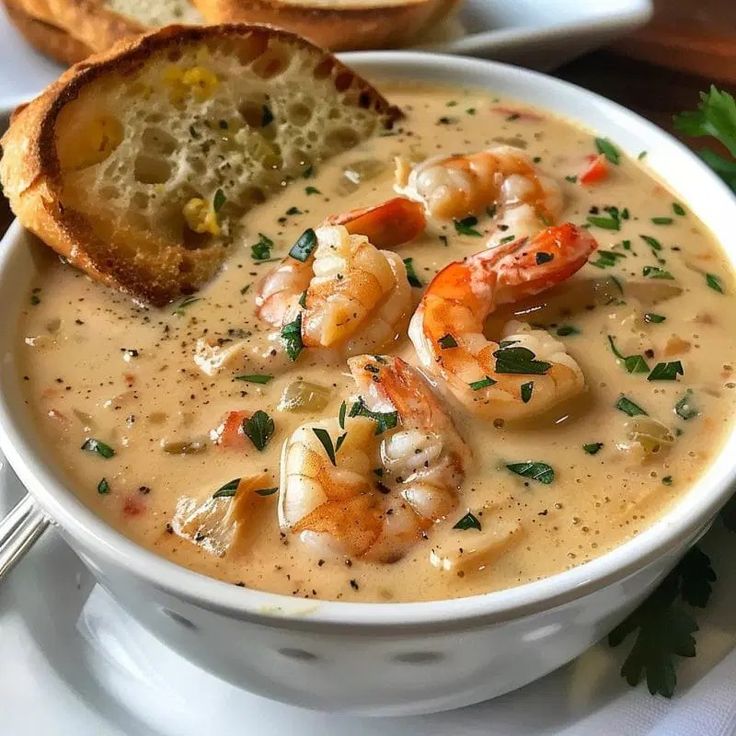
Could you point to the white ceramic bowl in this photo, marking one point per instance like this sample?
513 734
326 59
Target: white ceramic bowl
387 658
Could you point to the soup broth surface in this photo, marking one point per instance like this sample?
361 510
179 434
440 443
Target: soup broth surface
98 367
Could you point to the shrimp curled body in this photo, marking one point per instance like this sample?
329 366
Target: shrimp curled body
447 327
381 493
503 177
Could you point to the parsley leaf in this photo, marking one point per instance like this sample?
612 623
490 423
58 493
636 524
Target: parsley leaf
447 341
632 363
566 330
219 200
593 447
627 406
466 226
604 146
655 319
324 437
469 521
666 371
655 272
536 471
684 408
291 335
384 419
519 360
311 190
411 274
605 223
302 249
261 251
482 383
526 391
606 258
714 282
228 490
259 429
262 378
103 487
664 629
98 447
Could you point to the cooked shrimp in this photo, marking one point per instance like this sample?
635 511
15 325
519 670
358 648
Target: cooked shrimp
488 378
386 225
502 177
379 496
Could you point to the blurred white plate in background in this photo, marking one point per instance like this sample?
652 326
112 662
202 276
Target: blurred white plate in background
540 34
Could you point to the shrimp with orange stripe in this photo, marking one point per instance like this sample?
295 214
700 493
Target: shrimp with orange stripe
340 281
503 180
527 371
372 484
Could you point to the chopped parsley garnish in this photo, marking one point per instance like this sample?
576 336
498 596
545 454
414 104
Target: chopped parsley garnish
339 442
261 251
519 360
662 220
291 335
716 117
324 437
262 378
655 272
228 490
184 303
483 383
684 408
606 258
103 487
99 447
540 472
605 223
507 239
667 480
308 173
341 415
526 391
653 243
35 299
604 146
571 179
566 330
312 190
466 226
678 209
218 200
302 249
447 341
592 448
411 274
666 371
384 419
653 318
714 282
294 211
627 406
469 521
642 155
266 116
632 363
664 629
542 257
266 491
259 429
303 300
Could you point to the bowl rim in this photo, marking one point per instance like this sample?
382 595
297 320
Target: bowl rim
665 536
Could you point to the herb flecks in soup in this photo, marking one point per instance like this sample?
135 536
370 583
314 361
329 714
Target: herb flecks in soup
567 375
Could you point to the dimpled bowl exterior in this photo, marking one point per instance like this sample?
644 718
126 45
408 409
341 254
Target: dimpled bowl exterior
386 659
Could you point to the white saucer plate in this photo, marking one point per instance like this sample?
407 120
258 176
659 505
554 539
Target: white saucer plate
75 663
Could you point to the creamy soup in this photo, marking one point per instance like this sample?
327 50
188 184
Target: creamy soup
150 413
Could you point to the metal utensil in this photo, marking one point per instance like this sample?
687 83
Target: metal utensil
18 531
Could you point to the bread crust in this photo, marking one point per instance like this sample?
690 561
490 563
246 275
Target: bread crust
90 22
32 178
47 38
352 27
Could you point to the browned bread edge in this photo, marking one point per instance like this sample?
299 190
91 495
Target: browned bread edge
31 173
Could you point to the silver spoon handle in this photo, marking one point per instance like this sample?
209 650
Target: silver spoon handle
18 531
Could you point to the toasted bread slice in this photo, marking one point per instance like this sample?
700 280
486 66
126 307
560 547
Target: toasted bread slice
47 38
101 23
338 25
139 164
